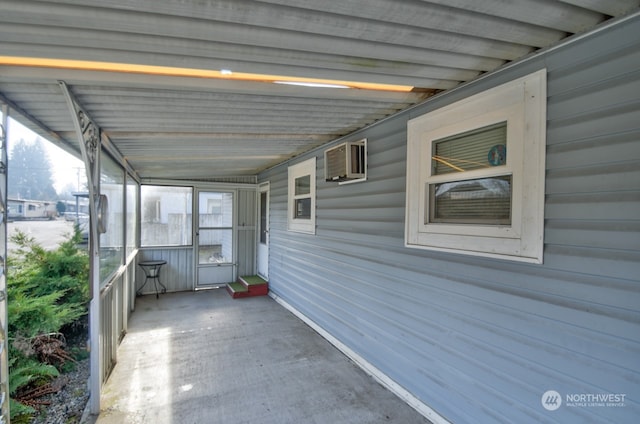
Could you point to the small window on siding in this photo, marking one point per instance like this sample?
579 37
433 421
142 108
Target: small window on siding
301 199
475 174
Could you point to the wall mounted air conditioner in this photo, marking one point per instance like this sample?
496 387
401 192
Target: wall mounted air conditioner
346 162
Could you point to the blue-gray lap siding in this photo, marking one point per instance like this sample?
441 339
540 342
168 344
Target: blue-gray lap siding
480 340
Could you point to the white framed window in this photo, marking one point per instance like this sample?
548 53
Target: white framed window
475 174
302 197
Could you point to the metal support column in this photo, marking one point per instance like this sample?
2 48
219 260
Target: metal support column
4 348
88 134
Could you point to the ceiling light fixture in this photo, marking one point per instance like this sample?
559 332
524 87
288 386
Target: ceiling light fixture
311 84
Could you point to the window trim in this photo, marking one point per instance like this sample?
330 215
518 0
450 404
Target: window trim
296 171
522 104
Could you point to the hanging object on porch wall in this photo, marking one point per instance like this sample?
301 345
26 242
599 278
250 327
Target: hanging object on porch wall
103 213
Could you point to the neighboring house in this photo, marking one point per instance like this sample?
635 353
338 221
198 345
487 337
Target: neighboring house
31 209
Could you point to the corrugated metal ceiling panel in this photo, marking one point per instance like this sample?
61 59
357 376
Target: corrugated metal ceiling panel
174 126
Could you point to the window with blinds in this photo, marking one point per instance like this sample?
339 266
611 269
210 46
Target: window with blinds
477 149
480 201
474 201
476 173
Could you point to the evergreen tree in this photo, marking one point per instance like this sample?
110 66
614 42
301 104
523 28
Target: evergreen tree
30 175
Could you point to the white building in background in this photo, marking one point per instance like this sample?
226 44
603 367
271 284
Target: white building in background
31 209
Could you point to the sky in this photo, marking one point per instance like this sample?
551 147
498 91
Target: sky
66 169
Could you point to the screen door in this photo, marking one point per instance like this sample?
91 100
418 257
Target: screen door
215 244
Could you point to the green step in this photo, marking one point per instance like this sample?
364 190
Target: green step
248 286
253 280
238 287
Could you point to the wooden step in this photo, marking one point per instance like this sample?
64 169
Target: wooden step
253 280
237 290
255 284
247 286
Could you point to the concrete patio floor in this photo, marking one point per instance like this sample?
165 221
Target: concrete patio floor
202 357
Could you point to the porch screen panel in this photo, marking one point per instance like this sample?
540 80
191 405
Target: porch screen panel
132 216
111 241
166 215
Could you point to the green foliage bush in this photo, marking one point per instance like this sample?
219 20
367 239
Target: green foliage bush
47 290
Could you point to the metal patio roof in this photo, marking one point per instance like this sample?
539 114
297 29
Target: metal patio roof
169 124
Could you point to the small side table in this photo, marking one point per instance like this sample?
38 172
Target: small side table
152 271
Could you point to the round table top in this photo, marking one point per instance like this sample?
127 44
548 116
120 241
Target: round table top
152 263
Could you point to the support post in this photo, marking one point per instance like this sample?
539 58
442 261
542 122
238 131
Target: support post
88 134
4 316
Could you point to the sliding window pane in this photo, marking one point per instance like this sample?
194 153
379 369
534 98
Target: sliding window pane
479 201
302 208
482 148
303 185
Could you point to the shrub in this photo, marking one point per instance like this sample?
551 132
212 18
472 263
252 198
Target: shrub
47 291
65 269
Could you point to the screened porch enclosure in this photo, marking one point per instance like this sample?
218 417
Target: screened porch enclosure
472 268
207 251
212 249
